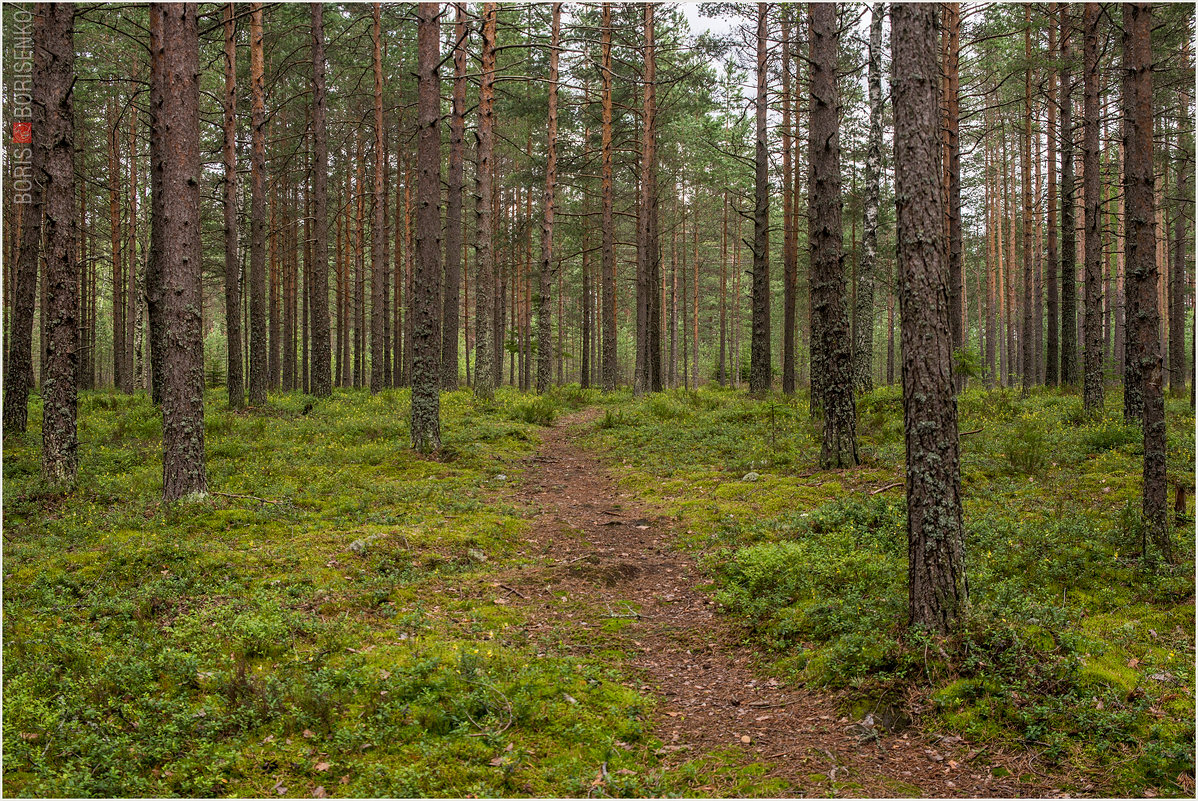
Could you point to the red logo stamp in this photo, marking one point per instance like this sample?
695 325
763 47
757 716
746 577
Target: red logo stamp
22 133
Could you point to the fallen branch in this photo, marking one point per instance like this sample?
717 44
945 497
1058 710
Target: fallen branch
887 487
967 433
513 589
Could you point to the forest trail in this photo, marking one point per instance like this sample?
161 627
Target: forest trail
609 559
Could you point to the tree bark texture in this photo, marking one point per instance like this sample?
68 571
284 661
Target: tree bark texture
183 472
760 368
839 448
56 48
426 286
938 592
544 296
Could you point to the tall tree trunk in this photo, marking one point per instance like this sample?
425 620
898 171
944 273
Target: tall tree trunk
28 197
828 299
994 260
648 332
453 208
234 381
1143 320
322 380
1069 374
608 248
178 128
723 372
863 351
952 105
759 354
426 302
790 245
938 591
544 299
486 359
1026 334
1092 392
259 375
54 79
1052 364
132 304
378 282
118 265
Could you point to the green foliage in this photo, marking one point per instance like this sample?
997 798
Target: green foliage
340 636
1066 626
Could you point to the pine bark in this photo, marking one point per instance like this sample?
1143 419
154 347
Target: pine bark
426 300
790 245
378 267
952 105
234 381
839 448
544 297
486 358
259 375
863 350
1068 335
1092 383
322 380
1143 319
453 208
608 246
938 591
1052 364
178 127
54 92
760 369
1026 333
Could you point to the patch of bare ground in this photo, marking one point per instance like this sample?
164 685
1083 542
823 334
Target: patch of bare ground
609 558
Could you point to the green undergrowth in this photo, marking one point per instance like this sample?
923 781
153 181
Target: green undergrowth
323 622
1077 645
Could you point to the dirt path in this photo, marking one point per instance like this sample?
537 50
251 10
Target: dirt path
611 559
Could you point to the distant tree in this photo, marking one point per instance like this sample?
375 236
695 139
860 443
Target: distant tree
54 90
938 592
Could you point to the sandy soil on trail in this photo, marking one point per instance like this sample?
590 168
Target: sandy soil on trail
613 559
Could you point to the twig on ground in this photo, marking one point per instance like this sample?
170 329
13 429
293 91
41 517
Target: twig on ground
513 589
967 433
887 487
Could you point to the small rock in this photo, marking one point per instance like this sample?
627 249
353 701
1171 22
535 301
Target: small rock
501 477
751 476
746 739
476 555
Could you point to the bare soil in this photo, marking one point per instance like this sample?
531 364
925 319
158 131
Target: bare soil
610 558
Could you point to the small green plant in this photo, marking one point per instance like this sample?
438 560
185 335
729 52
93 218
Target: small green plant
1027 447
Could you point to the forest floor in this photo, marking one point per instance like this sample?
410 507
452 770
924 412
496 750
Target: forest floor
588 595
617 561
